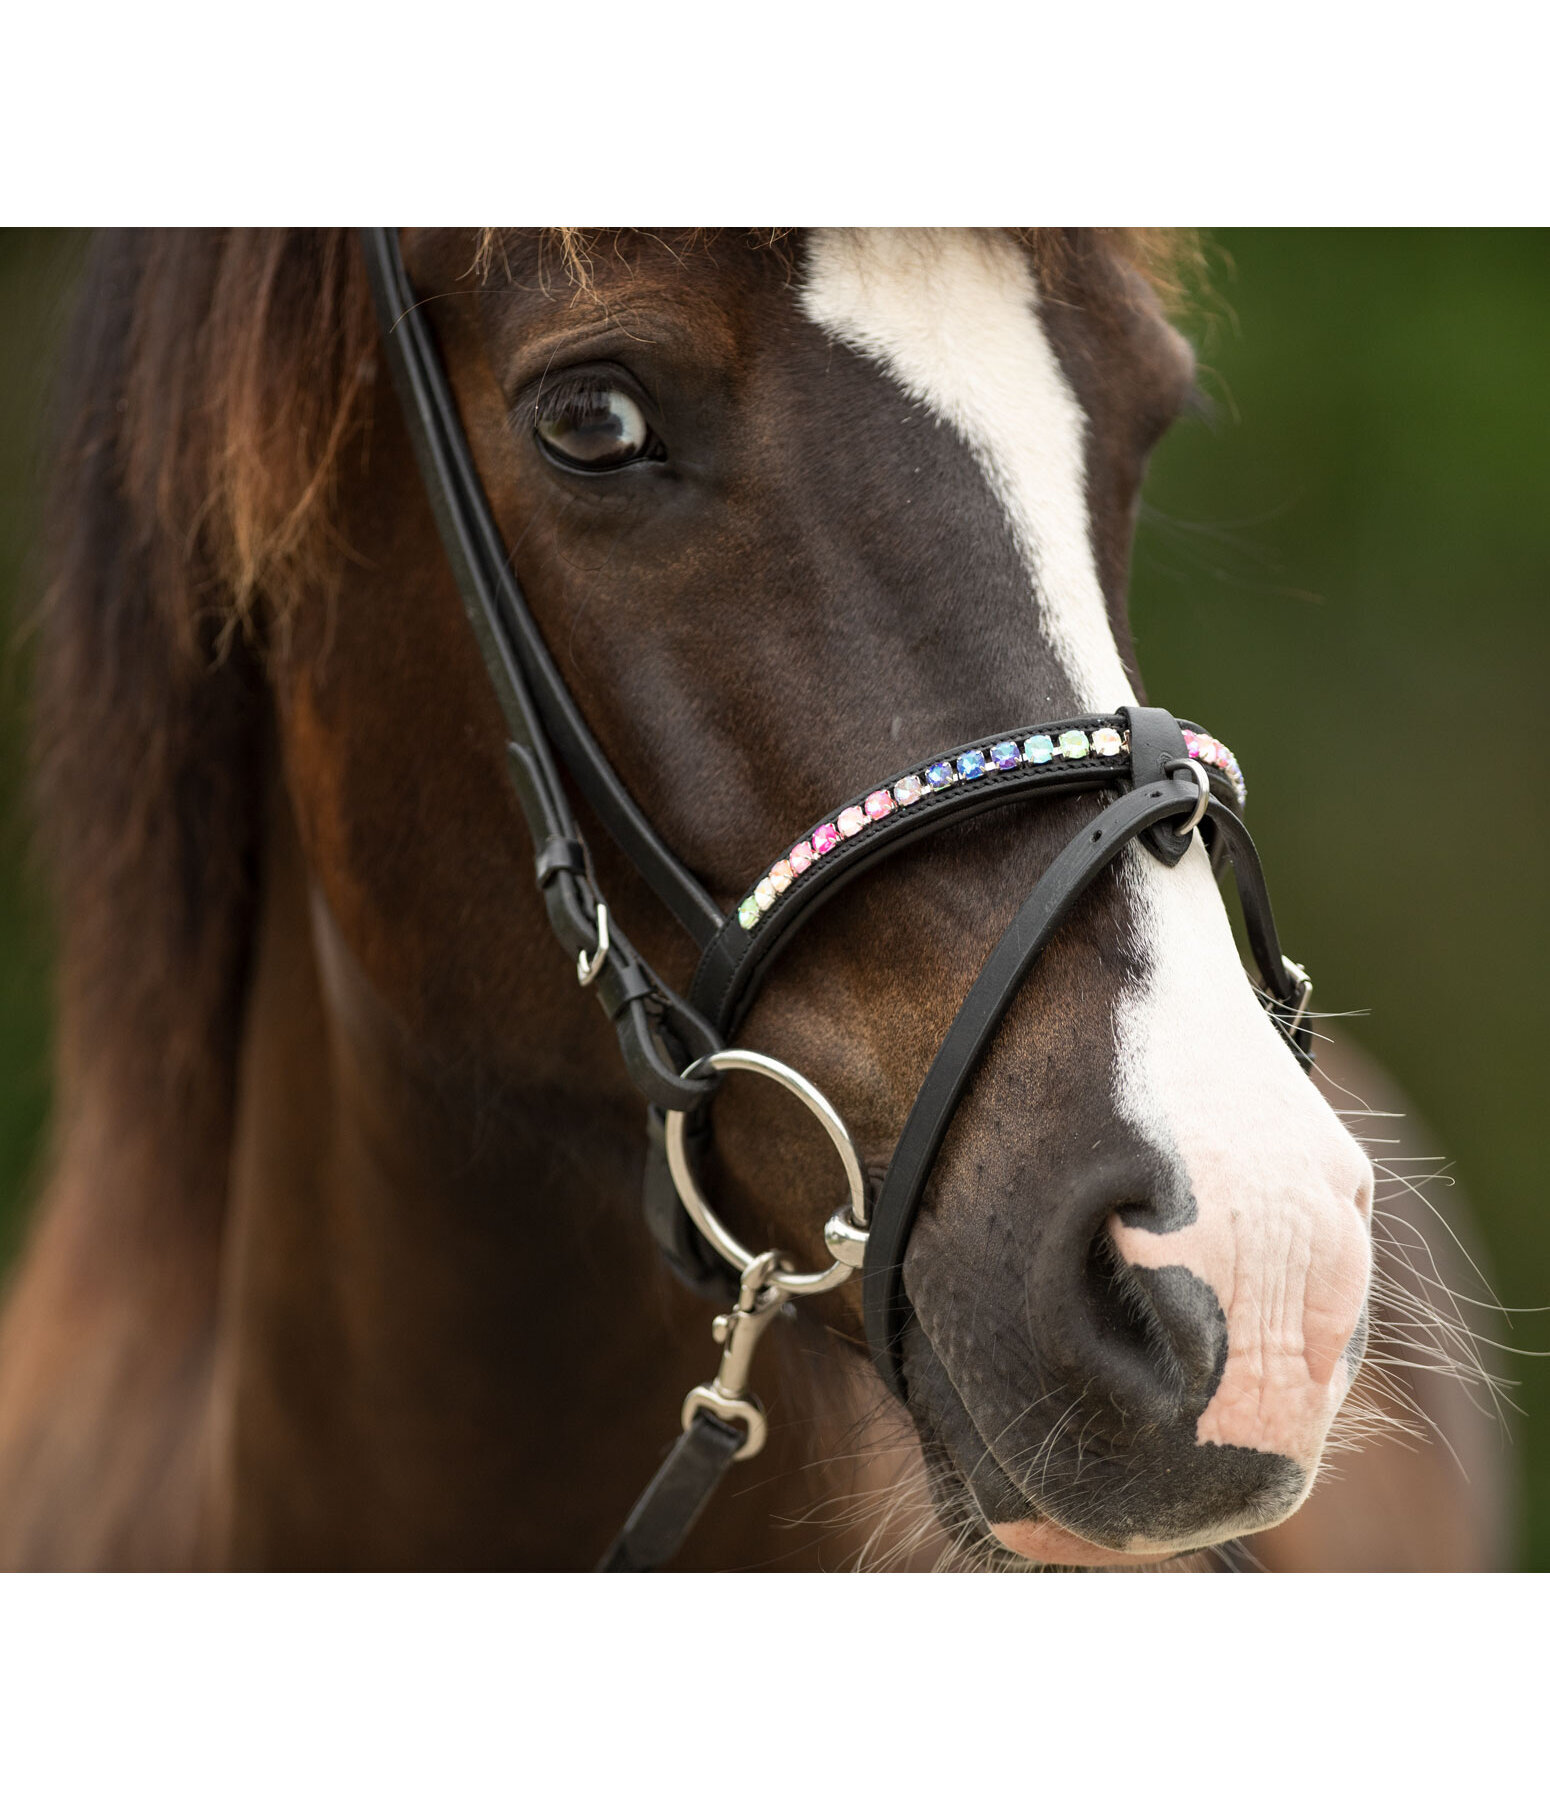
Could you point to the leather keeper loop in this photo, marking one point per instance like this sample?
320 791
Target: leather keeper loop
653 1074
621 982
1156 740
559 855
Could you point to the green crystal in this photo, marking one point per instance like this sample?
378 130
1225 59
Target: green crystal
1073 744
748 913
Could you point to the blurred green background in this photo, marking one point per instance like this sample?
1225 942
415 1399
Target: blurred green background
37 270
1347 574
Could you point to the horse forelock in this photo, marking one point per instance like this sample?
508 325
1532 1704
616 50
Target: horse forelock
1170 259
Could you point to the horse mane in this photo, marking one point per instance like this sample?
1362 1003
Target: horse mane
212 383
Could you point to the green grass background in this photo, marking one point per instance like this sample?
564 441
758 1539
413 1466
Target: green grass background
37 270
1346 574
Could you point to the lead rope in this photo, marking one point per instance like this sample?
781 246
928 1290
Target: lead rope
723 1423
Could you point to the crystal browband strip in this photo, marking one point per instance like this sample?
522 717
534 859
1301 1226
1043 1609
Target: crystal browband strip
1096 746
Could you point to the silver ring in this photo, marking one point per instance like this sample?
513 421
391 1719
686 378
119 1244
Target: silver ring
1204 781
750 1062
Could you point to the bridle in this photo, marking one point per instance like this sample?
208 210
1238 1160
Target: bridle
1164 779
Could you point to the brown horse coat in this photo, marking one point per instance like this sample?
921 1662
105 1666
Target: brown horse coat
338 1266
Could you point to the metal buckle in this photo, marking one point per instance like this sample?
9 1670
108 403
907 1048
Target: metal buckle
588 968
1304 992
1203 780
846 1232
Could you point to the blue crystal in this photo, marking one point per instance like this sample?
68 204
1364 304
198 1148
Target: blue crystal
971 765
939 774
1038 749
1004 756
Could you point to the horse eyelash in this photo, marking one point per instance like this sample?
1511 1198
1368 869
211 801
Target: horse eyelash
575 395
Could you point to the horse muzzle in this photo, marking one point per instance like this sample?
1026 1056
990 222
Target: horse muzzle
1133 1368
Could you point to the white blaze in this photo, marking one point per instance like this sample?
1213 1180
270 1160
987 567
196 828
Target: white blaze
1282 1189
953 317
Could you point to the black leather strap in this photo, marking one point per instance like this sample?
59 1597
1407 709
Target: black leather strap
665 1514
734 964
658 1031
884 1301
520 666
675 1234
1227 834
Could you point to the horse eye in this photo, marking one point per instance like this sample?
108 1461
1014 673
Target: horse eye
604 429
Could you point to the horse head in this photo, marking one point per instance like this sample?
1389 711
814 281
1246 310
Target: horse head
354 1247
791 512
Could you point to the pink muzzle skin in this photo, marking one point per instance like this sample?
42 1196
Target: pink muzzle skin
1292 1285
1043 1541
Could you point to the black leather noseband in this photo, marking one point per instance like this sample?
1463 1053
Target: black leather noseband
1144 769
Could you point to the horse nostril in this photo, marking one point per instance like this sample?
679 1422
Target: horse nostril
1166 1319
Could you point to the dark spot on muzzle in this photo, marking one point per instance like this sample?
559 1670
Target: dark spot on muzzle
1053 1378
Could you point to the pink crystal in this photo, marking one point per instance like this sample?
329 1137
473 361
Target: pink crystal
800 856
824 839
850 821
878 805
1205 749
780 876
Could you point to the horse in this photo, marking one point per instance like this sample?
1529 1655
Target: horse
337 1265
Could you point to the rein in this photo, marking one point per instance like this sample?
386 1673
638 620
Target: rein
1165 780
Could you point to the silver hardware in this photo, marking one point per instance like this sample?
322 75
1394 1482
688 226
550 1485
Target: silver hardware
726 1394
849 1220
846 1239
1204 782
588 968
1305 992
